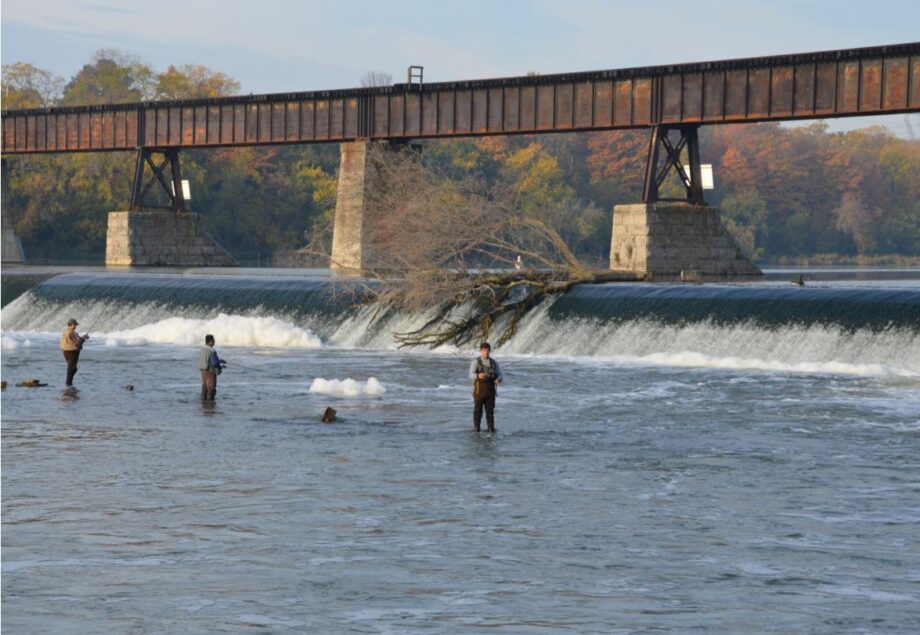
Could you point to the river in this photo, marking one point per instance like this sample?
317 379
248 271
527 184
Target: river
735 458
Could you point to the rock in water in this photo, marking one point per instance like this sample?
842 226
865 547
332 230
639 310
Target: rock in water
30 383
329 415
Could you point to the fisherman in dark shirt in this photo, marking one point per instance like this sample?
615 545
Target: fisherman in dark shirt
485 374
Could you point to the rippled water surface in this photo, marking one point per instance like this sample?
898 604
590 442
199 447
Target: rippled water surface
633 495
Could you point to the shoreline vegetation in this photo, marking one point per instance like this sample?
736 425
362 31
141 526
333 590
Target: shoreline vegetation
896 261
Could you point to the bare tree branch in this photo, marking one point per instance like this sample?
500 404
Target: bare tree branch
445 243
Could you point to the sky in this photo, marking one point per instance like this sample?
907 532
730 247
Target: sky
291 45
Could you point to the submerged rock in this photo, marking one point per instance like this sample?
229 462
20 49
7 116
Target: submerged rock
30 383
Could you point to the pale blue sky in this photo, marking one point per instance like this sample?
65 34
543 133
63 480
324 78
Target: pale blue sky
282 45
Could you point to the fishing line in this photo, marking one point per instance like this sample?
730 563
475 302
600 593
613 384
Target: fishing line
245 367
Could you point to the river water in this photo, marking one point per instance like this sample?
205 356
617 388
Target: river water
669 459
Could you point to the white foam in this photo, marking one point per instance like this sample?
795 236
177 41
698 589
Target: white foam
693 359
793 348
347 387
368 329
12 342
893 354
228 330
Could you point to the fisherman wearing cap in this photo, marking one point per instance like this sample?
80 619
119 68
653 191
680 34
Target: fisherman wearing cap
71 345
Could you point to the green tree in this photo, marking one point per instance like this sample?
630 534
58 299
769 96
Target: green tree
744 214
112 77
899 165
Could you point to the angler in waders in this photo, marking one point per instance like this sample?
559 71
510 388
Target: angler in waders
486 375
210 365
71 345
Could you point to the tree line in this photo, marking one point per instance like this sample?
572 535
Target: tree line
786 193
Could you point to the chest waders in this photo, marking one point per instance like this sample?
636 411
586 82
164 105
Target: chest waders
484 387
484 396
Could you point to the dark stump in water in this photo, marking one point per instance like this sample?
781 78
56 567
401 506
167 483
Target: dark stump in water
30 383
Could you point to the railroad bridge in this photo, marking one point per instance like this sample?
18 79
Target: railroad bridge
673 101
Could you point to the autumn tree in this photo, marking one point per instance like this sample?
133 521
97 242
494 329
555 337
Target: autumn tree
194 81
857 221
27 86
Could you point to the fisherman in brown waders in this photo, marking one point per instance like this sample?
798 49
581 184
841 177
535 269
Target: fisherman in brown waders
486 375
71 345
210 365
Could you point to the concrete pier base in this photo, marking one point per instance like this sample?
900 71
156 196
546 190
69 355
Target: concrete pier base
161 238
351 249
669 239
11 249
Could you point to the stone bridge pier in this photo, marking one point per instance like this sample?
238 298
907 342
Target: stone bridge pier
665 238
353 251
11 249
155 235
351 245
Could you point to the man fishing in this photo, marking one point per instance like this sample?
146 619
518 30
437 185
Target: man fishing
71 345
210 365
486 375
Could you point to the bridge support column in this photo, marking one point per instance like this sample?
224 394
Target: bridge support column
662 237
675 239
352 248
152 233
161 238
11 248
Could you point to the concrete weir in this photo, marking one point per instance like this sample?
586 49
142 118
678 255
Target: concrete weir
671 239
164 238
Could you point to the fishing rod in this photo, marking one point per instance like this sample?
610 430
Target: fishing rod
245 367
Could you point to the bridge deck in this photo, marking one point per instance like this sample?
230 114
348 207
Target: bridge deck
851 82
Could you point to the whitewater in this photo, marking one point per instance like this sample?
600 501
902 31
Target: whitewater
669 458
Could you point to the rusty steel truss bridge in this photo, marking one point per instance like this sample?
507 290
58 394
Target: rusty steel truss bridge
673 98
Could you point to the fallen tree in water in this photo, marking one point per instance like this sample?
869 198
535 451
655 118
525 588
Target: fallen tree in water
492 300
466 255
